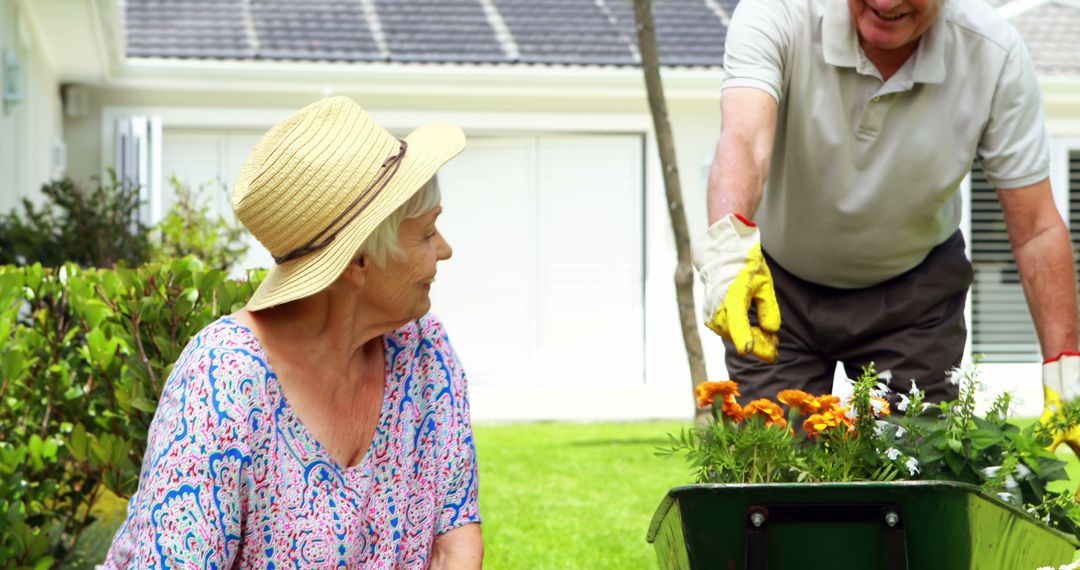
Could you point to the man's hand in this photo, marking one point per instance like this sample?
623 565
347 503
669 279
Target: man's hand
735 275
1061 385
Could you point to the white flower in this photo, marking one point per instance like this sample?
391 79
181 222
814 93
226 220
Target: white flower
878 405
852 414
1011 483
880 427
1022 471
892 453
1005 496
912 466
914 389
955 375
881 390
885 375
900 431
991 471
904 401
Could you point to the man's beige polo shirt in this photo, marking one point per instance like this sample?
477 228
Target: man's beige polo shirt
865 174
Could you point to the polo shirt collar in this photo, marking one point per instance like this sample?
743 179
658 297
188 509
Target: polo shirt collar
840 43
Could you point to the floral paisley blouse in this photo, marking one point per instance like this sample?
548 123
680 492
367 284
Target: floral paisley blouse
232 479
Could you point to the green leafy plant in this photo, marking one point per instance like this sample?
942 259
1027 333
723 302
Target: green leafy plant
84 354
858 439
189 229
93 226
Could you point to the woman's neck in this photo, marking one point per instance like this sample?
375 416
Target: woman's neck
317 333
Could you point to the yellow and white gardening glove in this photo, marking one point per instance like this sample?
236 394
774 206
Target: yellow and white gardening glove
731 266
1061 384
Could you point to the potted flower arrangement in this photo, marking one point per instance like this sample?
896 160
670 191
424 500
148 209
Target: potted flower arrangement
782 483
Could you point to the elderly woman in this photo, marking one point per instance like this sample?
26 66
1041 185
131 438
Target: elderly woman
327 423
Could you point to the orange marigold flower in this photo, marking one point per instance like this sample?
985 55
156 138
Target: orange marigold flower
818 423
815 424
828 403
806 403
774 415
880 406
707 391
732 409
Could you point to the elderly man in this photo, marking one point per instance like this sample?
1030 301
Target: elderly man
847 129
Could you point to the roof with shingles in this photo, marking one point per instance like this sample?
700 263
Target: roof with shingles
561 32
554 32
1052 34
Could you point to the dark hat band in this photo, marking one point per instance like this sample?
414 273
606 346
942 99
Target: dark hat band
387 171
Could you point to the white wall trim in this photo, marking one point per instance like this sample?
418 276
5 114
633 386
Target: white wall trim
965 228
1059 175
474 122
367 78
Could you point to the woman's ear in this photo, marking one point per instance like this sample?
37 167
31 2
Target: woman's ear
357 270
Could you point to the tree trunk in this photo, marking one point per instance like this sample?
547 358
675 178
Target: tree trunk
684 270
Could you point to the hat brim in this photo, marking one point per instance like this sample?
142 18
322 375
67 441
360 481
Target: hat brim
430 147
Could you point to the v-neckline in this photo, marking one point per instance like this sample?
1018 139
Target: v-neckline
311 444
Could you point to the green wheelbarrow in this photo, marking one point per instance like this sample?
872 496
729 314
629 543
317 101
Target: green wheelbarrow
902 525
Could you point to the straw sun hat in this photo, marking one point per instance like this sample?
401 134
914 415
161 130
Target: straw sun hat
317 184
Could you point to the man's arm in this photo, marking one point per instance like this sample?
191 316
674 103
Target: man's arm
1043 252
459 549
743 153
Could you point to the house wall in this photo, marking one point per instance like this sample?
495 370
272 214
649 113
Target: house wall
610 101
494 112
28 129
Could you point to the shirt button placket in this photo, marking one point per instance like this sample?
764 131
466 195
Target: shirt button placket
873 116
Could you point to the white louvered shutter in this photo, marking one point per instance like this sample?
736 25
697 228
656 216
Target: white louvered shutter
138 161
1002 329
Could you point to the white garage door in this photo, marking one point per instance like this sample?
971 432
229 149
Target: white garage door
545 286
208 162
546 283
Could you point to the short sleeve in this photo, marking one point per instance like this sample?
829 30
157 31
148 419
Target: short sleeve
756 46
1013 149
460 476
187 509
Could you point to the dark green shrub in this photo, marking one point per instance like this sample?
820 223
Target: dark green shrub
84 354
98 226
94 226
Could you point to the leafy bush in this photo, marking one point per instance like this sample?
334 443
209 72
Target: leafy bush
188 229
93 227
99 227
84 354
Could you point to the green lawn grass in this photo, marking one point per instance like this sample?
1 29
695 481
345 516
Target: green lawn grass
560 495
564 495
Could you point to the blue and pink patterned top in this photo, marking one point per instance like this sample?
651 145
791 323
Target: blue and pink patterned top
232 479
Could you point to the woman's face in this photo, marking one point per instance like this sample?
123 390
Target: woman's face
401 288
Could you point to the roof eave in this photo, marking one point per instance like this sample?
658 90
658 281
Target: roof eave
362 78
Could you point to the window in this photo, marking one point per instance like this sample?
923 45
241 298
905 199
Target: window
1002 329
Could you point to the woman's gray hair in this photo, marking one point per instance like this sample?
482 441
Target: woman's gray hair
383 241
